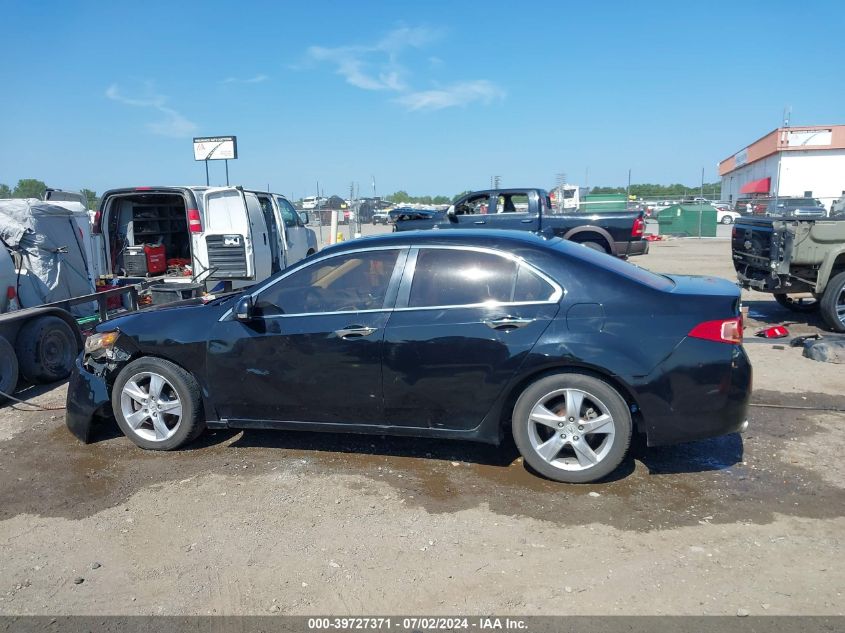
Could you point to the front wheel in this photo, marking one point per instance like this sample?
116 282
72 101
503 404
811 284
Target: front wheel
157 404
833 303
798 304
572 428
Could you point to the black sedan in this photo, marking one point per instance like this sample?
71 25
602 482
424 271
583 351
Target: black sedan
453 334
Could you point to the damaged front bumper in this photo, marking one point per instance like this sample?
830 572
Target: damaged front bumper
87 398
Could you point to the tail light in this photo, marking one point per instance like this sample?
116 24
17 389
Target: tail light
97 228
720 331
194 221
639 228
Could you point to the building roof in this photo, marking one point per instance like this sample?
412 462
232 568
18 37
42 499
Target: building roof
786 139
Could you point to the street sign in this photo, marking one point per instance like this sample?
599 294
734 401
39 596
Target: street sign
216 148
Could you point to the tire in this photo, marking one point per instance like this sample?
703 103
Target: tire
152 426
727 220
596 246
8 368
796 305
553 394
832 302
46 349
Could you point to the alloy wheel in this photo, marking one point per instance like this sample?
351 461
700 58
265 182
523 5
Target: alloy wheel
571 429
151 406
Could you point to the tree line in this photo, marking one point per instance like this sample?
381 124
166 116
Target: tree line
648 190
33 188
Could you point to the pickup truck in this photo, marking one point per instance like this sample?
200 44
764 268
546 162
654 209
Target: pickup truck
789 257
616 233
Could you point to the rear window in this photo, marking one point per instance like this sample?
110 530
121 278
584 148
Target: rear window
614 264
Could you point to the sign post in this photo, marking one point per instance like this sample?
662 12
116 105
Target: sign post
223 148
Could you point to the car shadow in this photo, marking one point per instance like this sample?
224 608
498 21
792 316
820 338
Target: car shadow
772 313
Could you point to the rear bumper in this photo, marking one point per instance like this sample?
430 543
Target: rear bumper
702 390
87 397
638 247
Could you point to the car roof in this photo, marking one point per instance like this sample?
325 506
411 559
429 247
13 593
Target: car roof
492 238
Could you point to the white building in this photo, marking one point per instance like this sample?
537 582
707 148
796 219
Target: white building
788 162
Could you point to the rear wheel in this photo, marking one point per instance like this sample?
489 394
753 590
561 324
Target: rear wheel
157 404
596 246
798 304
833 303
572 428
46 349
8 368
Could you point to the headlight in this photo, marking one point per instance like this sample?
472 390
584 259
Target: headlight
100 341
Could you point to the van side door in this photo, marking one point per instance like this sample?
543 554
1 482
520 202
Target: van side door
295 233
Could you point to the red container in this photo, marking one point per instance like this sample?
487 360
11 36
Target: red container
156 259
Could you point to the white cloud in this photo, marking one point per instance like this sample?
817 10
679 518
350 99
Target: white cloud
257 79
377 68
173 123
457 95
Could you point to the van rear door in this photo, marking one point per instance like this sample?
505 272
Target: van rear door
228 238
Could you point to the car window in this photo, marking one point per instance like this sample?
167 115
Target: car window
289 215
473 206
357 281
449 277
512 203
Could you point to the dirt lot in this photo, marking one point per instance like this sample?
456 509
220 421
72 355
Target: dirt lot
301 523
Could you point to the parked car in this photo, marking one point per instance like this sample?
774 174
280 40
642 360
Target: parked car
468 335
801 261
795 208
381 217
619 233
724 213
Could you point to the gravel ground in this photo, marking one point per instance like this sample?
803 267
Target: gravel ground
305 523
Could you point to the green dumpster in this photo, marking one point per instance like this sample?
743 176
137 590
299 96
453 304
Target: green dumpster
692 220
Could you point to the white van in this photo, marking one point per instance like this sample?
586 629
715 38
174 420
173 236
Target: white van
215 235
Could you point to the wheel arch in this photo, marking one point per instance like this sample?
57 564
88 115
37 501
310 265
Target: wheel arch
584 233
509 401
833 263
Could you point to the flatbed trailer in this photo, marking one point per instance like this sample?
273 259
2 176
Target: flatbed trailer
41 343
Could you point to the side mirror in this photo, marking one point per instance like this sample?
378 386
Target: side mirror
303 215
243 311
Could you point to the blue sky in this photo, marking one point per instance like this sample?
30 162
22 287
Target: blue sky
430 97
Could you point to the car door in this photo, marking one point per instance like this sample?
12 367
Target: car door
296 235
464 321
313 352
471 212
513 210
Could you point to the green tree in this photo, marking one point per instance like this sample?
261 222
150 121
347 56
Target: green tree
5 192
91 197
29 188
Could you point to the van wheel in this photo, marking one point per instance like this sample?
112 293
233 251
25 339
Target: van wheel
8 368
46 349
157 404
572 428
797 304
833 303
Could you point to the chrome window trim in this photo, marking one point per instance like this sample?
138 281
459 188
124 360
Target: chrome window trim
402 248
410 269
407 276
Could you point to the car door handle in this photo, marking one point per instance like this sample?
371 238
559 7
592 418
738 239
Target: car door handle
479 222
354 331
508 323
